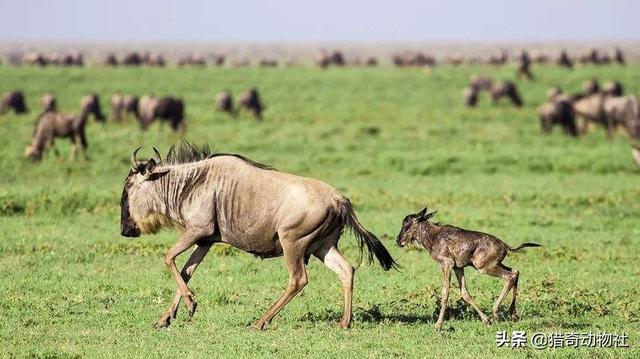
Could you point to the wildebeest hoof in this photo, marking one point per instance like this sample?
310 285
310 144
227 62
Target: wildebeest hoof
486 320
514 317
261 325
192 309
162 323
438 327
344 324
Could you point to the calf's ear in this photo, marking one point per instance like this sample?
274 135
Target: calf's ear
432 214
422 213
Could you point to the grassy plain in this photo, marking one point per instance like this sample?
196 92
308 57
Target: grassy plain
393 141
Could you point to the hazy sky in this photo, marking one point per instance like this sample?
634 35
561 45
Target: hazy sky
323 20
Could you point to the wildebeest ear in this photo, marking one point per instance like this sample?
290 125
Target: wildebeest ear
422 213
432 214
151 165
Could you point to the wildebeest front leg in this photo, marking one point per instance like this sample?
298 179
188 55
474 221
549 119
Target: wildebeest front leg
187 273
446 279
297 281
464 293
189 238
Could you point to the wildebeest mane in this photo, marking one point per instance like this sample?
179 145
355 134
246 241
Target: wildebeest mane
187 152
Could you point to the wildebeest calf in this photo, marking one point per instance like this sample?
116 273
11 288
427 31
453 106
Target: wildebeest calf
49 102
455 248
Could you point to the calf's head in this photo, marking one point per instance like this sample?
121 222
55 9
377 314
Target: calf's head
411 225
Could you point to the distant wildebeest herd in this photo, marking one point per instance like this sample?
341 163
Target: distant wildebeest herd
51 124
323 59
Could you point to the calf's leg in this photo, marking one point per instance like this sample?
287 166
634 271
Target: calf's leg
467 297
446 279
504 272
514 293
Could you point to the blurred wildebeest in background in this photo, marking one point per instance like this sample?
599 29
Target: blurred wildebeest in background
13 100
224 102
250 101
481 83
49 102
456 59
34 58
192 60
558 110
612 88
132 59
218 60
54 124
590 109
169 108
227 198
619 56
623 111
506 89
498 60
470 96
524 64
411 58
371 61
325 59
123 106
244 62
111 60
268 63
153 59
539 57
564 60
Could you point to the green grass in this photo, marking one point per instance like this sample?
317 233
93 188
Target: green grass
391 140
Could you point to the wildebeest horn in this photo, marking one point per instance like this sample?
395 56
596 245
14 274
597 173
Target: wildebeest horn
157 155
134 162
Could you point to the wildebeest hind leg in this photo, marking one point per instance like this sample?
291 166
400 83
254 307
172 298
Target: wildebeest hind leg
294 259
188 270
333 259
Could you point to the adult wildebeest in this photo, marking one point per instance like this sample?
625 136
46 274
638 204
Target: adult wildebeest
227 198
506 89
224 102
558 110
523 65
564 60
111 60
49 102
623 111
13 100
613 88
132 59
470 96
619 56
167 108
481 83
250 101
54 124
454 248
122 105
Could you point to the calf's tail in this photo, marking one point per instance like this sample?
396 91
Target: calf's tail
366 238
523 245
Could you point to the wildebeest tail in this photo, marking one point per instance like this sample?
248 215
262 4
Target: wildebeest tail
523 245
366 238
